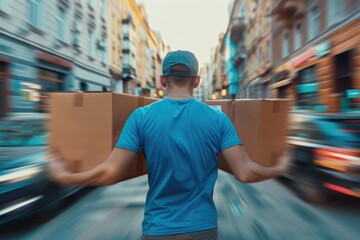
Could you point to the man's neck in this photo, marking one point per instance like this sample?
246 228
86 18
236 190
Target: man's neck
178 94
179 97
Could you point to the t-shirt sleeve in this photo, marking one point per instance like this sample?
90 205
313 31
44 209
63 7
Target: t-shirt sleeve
130 137
229 136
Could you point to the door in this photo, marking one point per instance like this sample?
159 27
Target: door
3 88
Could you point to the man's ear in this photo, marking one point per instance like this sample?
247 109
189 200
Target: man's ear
163 81
197 81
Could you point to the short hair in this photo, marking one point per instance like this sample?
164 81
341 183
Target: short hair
180 81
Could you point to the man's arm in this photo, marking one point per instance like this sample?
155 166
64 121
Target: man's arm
248 171
111 171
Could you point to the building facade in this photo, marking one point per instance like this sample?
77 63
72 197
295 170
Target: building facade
160 52
48 46
258 45
229 59
235 53
317 54
218 70
140 45
115 41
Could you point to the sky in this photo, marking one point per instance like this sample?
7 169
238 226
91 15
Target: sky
192 25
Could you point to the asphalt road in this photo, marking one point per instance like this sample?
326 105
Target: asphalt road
268 210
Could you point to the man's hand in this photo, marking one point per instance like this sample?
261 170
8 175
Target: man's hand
284 160
110 171
58 168
245 170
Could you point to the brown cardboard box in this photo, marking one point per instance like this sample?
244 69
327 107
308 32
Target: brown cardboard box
261 125
226 106
147 100
86 127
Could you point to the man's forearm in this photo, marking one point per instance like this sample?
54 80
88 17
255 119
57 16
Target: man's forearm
83 178
257 173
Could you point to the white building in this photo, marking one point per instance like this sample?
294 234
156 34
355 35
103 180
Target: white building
52 45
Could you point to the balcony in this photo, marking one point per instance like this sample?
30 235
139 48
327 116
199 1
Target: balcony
288 11
237 29
128 72
240 54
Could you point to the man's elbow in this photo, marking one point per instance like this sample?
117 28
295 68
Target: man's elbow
246 177
242 177
108 177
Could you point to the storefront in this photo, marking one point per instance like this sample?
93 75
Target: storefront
51 72
307 89
327 74
4 75
282 83
116 81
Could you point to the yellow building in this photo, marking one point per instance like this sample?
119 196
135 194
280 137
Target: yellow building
218 71
258 44
114 45
136 52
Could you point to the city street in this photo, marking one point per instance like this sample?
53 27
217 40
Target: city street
268 210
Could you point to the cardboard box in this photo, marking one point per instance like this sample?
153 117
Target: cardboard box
86 127
261 125
226 106
147 100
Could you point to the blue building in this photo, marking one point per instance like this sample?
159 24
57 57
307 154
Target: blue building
235 51
47 46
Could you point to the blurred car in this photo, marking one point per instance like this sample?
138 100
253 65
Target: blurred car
326 151
25 187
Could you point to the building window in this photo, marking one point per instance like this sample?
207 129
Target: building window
103 51
77 34
34 12
335 11
297 43
91 44
103 9
61 22
282 92
90 3
3 6
268 51
307 88
113 52
84 86
268 16
285 45
260 56
51 81
314 20
344 81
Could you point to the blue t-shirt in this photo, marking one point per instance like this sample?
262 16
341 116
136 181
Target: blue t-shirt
180 140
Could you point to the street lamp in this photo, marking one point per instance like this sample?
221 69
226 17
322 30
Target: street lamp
161 93
213 96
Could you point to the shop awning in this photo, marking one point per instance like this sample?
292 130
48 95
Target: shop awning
281 83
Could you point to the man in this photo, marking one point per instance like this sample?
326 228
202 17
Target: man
180 138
